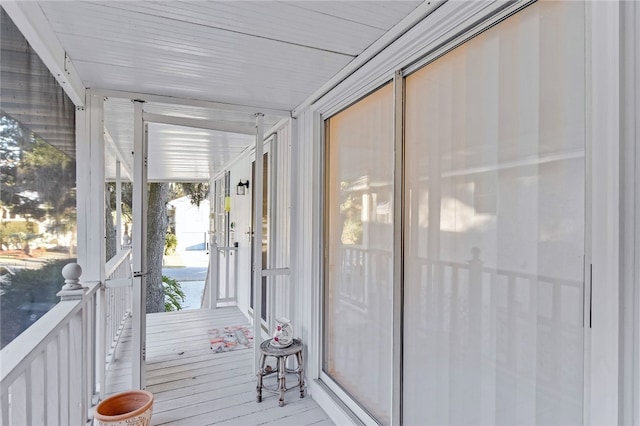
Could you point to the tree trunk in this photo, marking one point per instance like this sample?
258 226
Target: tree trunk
156 230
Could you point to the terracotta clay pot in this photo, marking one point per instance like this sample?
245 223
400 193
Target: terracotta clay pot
130 408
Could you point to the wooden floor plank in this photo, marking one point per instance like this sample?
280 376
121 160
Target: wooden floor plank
307 417
254 413
194 386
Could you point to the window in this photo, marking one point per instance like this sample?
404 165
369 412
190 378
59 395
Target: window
37 186
493 232
494 216
359 243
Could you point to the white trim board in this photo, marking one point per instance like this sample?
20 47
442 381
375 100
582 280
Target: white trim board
451 21
334 408
378 46
149 97
603 140
630 216
217 125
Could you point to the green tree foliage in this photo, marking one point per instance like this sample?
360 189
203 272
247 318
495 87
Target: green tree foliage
15 233
31 293
37 180
196 191
13 138
174 296
170 243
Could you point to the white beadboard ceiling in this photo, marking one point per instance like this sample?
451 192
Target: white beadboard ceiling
263 54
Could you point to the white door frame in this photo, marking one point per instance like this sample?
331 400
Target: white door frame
257 247
139 247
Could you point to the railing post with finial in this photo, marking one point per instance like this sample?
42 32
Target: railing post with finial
72 289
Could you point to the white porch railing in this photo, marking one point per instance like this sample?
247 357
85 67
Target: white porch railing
221 284
117 294
47 374
53 372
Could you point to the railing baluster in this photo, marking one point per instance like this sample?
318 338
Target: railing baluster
77 366
115 307
63 357
56 404
226 275
36 390
18 401
28 396
45 385
100 336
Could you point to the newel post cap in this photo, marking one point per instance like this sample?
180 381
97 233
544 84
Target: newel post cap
72 288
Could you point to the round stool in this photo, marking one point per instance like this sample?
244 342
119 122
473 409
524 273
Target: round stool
281 355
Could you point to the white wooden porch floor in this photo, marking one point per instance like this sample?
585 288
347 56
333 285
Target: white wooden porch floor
193 386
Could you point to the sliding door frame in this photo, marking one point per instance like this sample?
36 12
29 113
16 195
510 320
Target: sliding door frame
601 341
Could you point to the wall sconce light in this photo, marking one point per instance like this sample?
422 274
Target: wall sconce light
242 187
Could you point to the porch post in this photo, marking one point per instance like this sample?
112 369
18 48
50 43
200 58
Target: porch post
92 203
257 242
91 216
138 245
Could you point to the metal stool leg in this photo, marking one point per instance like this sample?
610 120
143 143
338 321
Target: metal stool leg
300 373
282 374
263 359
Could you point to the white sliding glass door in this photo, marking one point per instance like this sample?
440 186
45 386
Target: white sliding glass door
494 226
359 251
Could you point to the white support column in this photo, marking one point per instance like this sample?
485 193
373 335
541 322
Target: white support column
139 238
118 205
90 212
257 242
83 184
93 268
